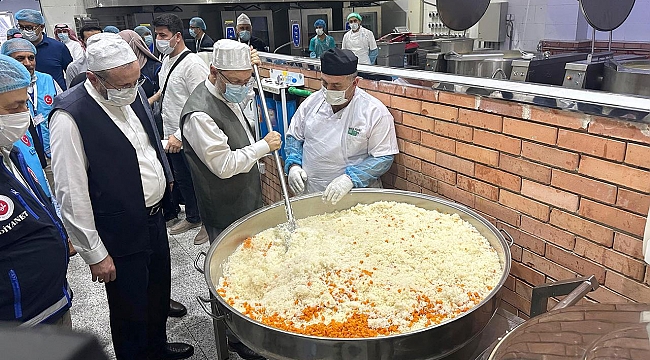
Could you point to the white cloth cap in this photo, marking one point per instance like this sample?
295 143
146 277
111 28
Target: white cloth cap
243 19
231 55
107 51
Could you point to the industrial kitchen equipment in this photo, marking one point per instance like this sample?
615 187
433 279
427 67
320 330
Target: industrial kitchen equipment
301 27
268 25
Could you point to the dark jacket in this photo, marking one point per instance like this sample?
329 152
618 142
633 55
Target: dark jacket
258 44
206 42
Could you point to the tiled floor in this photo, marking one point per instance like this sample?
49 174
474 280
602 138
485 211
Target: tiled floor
90 308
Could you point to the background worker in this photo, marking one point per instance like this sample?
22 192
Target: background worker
360 41
245 33
340 137
321 42
197 30
67 36
146 36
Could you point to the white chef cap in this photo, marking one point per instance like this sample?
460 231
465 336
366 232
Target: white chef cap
231 55
243 19
107 51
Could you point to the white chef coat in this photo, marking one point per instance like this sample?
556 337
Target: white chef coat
184 79
211 144
646 240
69 165
360 43
334 141
75 49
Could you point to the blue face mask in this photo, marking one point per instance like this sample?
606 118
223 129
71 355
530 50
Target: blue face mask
148 39
192 33
64 37
236 93
244 35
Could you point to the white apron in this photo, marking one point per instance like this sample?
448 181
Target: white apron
358 43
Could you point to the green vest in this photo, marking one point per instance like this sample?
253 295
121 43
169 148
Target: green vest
221 201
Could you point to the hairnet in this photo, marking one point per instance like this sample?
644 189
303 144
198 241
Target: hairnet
231 55
107 51
243 19
31 16
13 75
142 30
17 45
356 15
198 22
320 22
111 29
13 31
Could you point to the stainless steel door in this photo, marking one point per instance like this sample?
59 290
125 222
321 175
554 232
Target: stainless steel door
261 21
371 16
305 19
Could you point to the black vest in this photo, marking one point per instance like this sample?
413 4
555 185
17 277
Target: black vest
114 182
221 201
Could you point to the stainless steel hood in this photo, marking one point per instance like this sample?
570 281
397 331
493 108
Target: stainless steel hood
94 4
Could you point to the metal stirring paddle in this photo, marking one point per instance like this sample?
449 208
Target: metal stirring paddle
291 222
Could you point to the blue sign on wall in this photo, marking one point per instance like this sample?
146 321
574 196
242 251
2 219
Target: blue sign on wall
230 33
295 34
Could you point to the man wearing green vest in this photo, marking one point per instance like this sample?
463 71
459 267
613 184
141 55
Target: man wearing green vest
220 148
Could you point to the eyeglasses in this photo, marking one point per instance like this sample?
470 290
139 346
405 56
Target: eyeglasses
136 85
247 83
28 27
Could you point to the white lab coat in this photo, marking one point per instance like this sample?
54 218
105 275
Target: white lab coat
334 141
360 43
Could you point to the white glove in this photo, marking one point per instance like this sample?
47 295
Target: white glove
337 188
297 178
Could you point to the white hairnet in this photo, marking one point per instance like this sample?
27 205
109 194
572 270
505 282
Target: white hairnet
231 55
243 19
107 51
17 45
13 75
31 16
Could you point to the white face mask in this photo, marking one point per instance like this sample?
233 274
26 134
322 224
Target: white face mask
335 97
319 32
13 127
354 26
122 97
164 47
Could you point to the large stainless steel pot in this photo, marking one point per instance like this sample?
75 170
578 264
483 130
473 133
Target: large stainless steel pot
430 343
627 77
456 45
495 65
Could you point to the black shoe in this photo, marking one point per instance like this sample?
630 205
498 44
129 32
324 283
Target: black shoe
176 309
177 351
243 351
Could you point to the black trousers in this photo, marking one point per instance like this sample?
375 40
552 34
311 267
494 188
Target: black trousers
183 180
138 299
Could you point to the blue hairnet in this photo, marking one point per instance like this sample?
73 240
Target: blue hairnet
31 16
198 22
111 29
13 31
320 22
13 75
15 45
141 30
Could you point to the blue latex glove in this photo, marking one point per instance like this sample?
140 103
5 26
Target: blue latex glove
373 55
337 189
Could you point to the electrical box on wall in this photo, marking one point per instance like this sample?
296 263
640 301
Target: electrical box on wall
492 26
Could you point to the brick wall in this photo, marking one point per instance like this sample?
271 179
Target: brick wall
584 46
572 189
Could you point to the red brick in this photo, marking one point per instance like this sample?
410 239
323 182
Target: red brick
413 187
581 185
478 154
516 300
571 261
456 194
638 155
591 145
384 98
439 142
547 232
628 245
523 289
547 155
478 187
628 287
455 163
480 120
582 227
529 130
604 295
453 130
438 172
397 115
525 205
590 250
418 92
498 177
411 162
407 133
633 201
616 218
546 266
368 84
515 250
400 183
550 195
438 111
462 100
620 174
559 118
506 108
527 241
624 265
420 151
497 141
418 122
406 104
621 129
525 168
500 212
527 274
391 88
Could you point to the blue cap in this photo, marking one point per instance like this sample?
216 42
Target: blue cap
17 45
13 31
321 23
31 16
111 29
13 75
198 22
141 30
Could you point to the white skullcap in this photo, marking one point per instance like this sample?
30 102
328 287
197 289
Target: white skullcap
231 55
243 19
107 51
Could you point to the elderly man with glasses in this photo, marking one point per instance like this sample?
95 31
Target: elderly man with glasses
111 176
